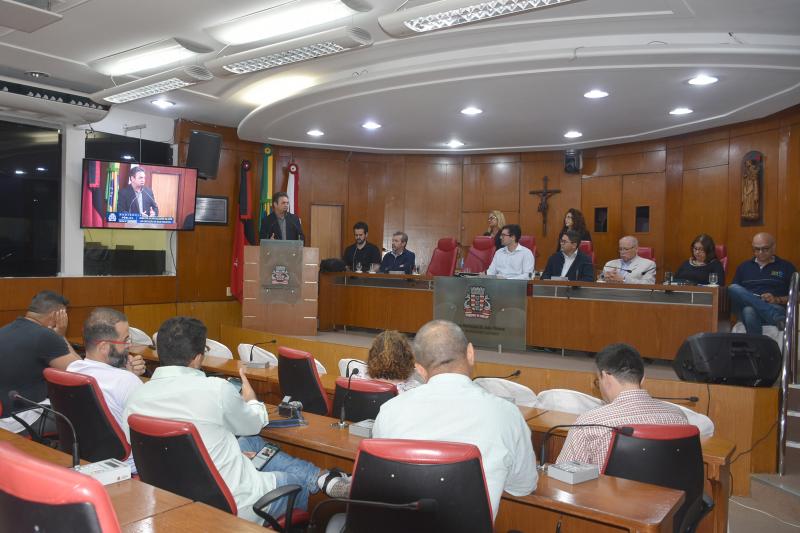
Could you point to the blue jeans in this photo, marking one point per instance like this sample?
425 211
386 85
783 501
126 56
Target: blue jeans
753 311
287 470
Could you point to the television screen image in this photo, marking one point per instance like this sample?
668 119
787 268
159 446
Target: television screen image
128 195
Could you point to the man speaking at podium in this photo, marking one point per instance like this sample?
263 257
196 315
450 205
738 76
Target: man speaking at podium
281 224
136 198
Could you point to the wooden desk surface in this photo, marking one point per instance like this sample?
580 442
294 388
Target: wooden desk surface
192 518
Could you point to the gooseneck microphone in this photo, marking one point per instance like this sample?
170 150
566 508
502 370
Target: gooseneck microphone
625 430
155 205
262 343
76 458
514 374
423 505
690 399
341 424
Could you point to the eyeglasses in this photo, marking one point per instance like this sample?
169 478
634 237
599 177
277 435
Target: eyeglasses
566 241
758 249
492 217
621 249
126 341
698 249
207 348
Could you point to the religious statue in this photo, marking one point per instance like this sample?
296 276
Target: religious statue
544 194
752 172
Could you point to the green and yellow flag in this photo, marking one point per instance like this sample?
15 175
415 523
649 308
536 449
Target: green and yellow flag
266 186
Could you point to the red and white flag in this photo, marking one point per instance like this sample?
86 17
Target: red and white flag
293 188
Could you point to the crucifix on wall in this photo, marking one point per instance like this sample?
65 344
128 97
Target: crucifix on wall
544 194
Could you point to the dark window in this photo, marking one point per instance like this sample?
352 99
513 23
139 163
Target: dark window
600 219
642 219
30 200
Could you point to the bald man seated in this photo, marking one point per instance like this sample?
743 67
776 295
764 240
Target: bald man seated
630 268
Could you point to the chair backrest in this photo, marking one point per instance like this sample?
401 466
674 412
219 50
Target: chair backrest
79 398
528 241
647 252
569 401
520 394
586 247
171 455
251 353
299 378
665 455
139 337
155 336
350 363
364 399
704 424
443 260
403 471
480 254
721 251
39 496
217 349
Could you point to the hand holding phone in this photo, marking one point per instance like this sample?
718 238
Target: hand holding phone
263 457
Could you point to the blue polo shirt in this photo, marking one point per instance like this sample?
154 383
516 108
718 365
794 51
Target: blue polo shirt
404 262
772 278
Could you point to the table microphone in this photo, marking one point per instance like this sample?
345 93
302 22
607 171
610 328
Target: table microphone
347 368
625 430
690 399
423 505
273 341
341 424
76 458
514 374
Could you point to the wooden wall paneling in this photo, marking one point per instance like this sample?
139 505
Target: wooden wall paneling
645 190
328 185
77 315
606 192
702 155
213 315
94 291
375 195
476 223
499 186
9 315
789 193
16 293
471 201
630 163
740 237
326 229
673 207
149 289
149 317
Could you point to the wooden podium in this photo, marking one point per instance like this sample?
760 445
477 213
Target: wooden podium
265 306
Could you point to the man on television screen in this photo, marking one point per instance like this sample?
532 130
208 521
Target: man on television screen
136 198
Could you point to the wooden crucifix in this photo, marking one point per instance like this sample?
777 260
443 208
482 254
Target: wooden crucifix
543 194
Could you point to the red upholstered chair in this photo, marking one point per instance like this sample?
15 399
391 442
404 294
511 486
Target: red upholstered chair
39 496
170 454
586 247
480 254
298 377
665 455
721 251
647 252
364 398
443 260
529 242
80 399
404 471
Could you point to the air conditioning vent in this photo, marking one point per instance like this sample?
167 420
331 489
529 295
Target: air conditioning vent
48 102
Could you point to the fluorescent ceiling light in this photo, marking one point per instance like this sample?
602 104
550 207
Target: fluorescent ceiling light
283 19
40 169
471 111
680 111
448 13
370 125
315 133
294 51
147 57
163 104
455 143
572 134
703 79
595 93
19 172
152 85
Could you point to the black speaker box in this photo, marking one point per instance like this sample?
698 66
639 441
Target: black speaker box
573 161
729 358
204 148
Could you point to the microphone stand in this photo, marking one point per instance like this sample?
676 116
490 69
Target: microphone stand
424 505
262 343
341 424
625 430
76 458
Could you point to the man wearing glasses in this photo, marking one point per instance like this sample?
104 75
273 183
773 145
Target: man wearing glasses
512 261
569 263
630 268
760 288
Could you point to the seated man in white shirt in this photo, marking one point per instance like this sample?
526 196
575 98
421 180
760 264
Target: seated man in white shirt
512 261
630 268
451 407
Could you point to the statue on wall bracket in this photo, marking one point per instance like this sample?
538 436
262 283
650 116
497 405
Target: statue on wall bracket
752 210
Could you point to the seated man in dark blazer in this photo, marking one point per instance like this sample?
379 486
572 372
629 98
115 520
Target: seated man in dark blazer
281 224
136 198
570 262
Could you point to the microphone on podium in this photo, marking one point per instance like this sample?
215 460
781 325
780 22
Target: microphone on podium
514 374
76 458
625 430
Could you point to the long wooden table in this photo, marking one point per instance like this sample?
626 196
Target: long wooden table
654 318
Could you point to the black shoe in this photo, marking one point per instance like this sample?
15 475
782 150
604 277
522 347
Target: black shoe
781 324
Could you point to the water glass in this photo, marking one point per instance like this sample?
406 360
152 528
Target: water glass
416 270
712 279
358 267
667 278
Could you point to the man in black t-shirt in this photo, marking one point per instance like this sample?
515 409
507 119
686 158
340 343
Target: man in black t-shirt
28 345
361 252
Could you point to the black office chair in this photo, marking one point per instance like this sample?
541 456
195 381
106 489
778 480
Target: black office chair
665 455
446 478
298 377
364 398
171 455
79 398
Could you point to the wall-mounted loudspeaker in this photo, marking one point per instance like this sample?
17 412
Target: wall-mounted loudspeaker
573 161
204 148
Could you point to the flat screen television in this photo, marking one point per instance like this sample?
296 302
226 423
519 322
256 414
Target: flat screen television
128 195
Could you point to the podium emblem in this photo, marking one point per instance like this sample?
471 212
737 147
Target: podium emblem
280 275
477 303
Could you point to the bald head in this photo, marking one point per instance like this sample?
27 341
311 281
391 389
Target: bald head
763 247
440 346
628 248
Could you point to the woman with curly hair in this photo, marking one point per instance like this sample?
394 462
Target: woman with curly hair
392 360
496 222
574 220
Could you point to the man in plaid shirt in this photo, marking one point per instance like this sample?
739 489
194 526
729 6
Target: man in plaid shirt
620 373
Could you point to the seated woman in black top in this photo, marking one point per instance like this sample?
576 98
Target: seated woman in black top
574 220
496 222
702 263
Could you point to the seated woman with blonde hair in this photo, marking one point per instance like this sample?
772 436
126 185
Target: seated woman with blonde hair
392 360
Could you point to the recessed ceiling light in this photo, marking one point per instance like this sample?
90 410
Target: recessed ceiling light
315 133
471 111
40 169
455 143
572 134
127 157
370 125
37 74
19 172
680 111
163 104
595 93
703 79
